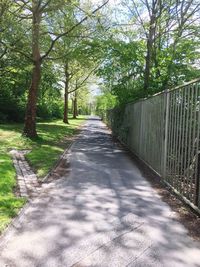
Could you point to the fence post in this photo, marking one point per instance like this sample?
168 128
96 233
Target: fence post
166 99
197 199
141 130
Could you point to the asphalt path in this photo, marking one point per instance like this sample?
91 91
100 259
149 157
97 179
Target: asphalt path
103 213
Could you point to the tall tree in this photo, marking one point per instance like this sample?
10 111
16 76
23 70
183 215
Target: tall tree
66 93
41 12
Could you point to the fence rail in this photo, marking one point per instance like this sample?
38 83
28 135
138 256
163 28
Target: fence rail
163 131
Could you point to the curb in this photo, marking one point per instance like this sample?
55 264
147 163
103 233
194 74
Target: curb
63 155
57 163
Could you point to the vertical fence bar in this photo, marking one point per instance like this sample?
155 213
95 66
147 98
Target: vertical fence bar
195 141
182 142
173 137
197 173
141 128
180 133
166 133
169 137
186 144
176 173
189 166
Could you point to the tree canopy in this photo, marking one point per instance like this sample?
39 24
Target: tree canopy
52 50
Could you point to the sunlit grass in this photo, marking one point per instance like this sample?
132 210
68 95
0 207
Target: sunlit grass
9 204
45 150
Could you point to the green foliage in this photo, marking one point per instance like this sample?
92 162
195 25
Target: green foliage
122 70
14 85
16 62
105 101
173 49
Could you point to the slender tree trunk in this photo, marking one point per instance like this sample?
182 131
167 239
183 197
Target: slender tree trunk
157 48
72 109
30 115
75 108
148 63
66 96
76 103
147 66
150 45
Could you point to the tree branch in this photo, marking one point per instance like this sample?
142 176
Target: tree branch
70 30
78 86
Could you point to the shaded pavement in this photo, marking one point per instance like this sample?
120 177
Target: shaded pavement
102 214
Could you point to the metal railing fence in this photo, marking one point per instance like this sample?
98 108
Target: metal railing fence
163 131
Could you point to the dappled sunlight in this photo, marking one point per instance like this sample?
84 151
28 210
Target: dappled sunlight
135 64
45 150
9 203
103 214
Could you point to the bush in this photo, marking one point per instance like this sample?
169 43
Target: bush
57 110
3 117
50 110
11 110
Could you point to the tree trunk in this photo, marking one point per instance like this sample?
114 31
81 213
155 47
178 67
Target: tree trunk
30 116
72 109
77 111
75 108
147 66
66 96
150 44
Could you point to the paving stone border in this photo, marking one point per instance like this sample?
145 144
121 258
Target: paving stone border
29 185
27 180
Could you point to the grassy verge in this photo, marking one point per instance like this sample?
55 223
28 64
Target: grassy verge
53 138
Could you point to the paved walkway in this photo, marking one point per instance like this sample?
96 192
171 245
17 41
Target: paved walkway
103 214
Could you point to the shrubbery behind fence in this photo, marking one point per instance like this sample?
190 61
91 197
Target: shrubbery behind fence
163 131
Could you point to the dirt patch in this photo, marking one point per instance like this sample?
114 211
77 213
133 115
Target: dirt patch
62 169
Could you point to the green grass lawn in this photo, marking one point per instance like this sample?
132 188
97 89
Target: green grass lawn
53 138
